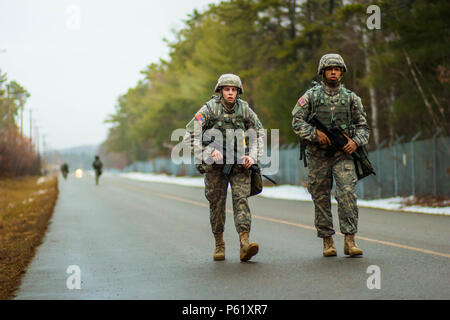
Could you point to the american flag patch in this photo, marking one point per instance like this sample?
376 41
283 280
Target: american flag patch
200 118
301 101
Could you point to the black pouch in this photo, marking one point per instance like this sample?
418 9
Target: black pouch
363 167
200 168
256 182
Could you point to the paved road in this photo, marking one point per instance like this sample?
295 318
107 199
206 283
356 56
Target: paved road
141 240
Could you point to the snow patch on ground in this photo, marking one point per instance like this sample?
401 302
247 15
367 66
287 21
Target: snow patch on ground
184 181
27 201
41 180
42 191
290 192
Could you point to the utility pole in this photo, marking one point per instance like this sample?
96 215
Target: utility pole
36 138
31 131
44 149
21 115
10 134
8 104
31 126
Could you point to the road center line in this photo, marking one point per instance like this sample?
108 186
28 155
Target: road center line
201 204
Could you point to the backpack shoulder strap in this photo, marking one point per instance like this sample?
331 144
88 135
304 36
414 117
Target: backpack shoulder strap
214 106
243 109
348 95
316 94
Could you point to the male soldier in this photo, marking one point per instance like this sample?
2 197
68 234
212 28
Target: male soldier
97 165
224 113
336 107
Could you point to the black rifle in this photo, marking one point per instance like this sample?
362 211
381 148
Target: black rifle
338 141
209 141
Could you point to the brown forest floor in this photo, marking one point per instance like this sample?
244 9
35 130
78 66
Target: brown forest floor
25 210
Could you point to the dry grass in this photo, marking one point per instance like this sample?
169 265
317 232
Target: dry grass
25 210
429 201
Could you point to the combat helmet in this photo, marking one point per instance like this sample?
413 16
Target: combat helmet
331 60
229 79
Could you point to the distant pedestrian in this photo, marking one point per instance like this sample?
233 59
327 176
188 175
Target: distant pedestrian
98 166
65 170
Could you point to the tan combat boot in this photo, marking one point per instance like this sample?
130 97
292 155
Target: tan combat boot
350 247
219 251
328 247
248 250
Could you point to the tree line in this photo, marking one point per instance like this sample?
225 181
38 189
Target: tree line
17 154
401 71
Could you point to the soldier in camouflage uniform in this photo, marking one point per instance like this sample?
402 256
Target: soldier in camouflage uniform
65 169
335 106
224 112
98 166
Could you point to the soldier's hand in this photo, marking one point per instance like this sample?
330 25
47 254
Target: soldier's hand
350 147
322 137
248 161
216 155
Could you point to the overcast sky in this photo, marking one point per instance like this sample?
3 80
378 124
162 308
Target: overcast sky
76 57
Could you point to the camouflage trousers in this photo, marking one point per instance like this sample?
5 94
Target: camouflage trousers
322 171
216 186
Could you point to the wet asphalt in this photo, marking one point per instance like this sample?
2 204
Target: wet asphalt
129 239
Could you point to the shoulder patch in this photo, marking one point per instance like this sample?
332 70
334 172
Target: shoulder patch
200 118
302 101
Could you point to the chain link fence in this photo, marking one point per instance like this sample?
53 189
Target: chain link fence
419 168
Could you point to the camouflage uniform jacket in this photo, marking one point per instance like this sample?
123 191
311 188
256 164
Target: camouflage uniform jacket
207 118
303 109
